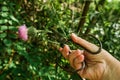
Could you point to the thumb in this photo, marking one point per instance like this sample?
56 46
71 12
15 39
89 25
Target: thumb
85 44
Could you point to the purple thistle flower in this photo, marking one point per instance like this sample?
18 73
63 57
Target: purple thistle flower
23 32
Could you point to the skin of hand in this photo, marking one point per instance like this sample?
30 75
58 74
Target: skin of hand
102 66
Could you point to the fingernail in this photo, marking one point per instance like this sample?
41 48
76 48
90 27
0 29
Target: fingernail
74 36
60 49
79 51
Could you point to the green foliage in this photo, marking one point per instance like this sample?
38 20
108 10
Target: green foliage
36 59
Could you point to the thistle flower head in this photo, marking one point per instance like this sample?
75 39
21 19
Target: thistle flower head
23 32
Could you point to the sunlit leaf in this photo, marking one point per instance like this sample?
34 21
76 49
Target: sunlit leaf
14 19
3 35
4 14
3 28
3 21
4 8
7 42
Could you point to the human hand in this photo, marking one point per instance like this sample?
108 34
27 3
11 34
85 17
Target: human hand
97 66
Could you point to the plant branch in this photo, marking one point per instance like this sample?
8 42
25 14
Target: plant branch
84 13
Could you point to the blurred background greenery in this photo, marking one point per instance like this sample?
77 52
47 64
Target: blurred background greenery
36 59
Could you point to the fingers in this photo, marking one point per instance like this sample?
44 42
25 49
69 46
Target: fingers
91 47
76 58
65 51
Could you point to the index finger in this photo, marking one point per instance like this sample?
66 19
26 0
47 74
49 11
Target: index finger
90 47
65 51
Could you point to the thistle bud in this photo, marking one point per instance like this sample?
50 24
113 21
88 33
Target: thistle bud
32 31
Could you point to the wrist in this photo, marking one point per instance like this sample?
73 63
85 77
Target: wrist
112 69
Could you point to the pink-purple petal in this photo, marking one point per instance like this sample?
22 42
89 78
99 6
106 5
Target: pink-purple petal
23 32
